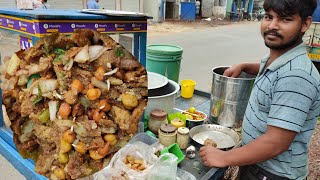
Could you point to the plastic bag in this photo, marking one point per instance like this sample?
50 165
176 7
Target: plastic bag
165 168
117 169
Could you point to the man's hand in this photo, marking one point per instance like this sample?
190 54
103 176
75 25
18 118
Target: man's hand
235 70
213 157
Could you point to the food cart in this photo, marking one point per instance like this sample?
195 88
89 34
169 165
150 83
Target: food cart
34 24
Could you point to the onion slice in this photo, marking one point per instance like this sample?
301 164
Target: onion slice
111 72
108 84
53 109
69 65
6 119
83 55
96 51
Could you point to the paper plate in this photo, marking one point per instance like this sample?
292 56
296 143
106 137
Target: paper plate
156 80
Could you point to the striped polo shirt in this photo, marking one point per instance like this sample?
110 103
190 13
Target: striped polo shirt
285 95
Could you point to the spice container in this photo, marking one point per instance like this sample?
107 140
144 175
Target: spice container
178 123
157 118
183 137
167 134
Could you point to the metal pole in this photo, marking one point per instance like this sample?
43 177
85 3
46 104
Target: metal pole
139 6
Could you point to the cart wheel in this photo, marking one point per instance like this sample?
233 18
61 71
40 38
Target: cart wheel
254 16
259 18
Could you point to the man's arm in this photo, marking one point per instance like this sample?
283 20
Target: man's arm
272 143
235 70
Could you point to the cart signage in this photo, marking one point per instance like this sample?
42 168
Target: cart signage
69 27
25 42
40 28
16 24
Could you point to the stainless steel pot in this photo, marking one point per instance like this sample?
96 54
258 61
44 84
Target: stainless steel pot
229 97
162 98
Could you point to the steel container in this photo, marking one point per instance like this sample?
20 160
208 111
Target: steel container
162 98
229 97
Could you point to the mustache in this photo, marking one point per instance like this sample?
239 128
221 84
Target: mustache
272 32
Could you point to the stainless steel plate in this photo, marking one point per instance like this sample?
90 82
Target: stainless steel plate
224 137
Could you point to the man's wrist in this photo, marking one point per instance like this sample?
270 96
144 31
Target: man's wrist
243 67
228 159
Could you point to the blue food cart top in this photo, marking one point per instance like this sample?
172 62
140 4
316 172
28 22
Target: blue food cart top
38 23
65 14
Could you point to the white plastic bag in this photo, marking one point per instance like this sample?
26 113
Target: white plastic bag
117 169
165 168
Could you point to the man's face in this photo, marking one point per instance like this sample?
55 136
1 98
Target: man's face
282 32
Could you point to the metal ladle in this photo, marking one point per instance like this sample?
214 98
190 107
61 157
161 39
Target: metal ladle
187 112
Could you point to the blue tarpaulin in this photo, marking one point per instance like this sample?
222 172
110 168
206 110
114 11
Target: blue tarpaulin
316 14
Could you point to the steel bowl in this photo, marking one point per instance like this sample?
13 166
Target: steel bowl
224 137
192 123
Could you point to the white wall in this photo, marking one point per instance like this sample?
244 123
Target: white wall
8 4
65 4
153 8
126 5
107 4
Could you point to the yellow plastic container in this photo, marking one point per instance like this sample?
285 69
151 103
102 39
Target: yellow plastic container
187 88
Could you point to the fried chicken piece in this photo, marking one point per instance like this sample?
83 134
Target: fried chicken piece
210 142
136 115
44 163
82 37
73 167
121 117
129 65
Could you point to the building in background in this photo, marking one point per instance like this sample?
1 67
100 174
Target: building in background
125 5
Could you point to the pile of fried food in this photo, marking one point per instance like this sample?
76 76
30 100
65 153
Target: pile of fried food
134 163
73 102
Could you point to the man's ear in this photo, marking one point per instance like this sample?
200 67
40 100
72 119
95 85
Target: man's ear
306 24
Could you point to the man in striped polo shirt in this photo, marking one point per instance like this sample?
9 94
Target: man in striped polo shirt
285 101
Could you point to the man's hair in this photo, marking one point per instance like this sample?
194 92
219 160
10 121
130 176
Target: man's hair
45 1
304 8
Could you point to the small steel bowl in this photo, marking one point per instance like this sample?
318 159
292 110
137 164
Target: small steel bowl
192 123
